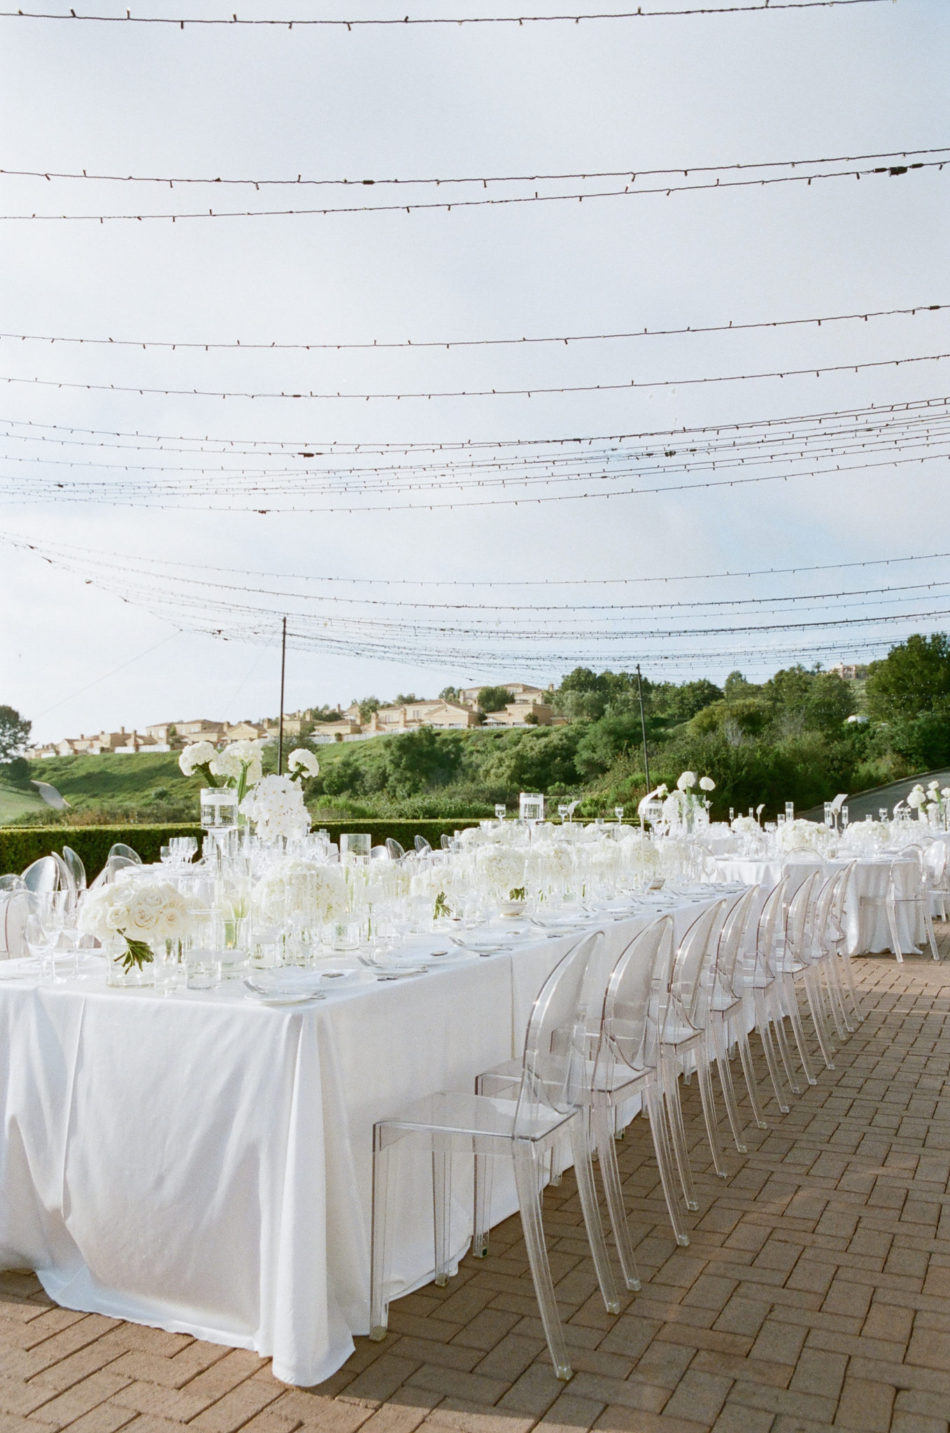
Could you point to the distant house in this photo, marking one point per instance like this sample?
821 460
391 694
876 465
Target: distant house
850 671
525 712
518 691
438 713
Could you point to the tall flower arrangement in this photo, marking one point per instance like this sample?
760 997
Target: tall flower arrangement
238 765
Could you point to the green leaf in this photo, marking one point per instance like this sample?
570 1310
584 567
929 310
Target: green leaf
137 953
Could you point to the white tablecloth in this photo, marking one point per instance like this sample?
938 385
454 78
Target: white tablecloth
203 1164
866 927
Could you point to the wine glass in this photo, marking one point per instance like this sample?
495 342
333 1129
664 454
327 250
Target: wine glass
501 810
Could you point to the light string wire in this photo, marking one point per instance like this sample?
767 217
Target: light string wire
447 205
306 448
561 340
121 565
137 587
405 20
483 180
773 440
483 475
536 391
19 540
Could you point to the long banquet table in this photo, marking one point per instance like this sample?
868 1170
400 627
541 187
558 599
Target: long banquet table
866 927
202 1163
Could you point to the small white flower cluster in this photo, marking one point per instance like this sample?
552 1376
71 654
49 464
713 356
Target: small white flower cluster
930 804
276 807
238 765
302 763
139 909
501 868
799 835
299 890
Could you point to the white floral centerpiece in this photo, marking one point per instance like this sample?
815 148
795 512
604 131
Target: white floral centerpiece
139 911
295 890
276 807
931 804
238 765
682 806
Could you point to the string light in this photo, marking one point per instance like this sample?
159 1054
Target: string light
447 205
308 448
404 20
481 180
96 556
561 340
61 492
538 391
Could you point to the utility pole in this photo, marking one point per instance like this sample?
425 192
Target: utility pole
643 728
283 668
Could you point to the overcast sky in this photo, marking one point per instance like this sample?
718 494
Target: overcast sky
97 631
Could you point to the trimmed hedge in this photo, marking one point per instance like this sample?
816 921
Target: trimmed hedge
21 845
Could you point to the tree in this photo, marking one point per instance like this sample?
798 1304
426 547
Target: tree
420 760
914 678
493 699
449 694
14 733
367 706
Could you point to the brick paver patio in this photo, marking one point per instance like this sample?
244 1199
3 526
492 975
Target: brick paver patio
815 1293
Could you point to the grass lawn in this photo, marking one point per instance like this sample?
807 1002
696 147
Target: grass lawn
14 802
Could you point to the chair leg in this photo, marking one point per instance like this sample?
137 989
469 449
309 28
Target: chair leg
851 986
441 1212
764 1027
580 1144
529 1199
674 1111
791 1010
653 1104
379 1256
708 1103
813 1000
483 1187
728 1088
602 1119
748 1072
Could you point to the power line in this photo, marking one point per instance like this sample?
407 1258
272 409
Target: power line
356 23
562 340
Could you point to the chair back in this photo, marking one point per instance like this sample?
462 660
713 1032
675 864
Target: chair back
634 1001
556 1068
43 875
396 852
691 976
121 849
12 882
16 907
732 943
422 845
112 867
799 919
771 920
75 864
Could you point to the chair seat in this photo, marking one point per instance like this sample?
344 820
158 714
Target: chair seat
473 1118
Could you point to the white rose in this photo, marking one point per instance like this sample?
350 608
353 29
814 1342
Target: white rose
706 783
686 780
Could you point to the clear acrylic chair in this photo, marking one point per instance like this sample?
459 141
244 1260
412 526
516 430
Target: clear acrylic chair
523 1130
727 1004
684 1044
396 851
796 966
906 893
121 849
622 1027
422 845
75 864
45 874
627 1065
763 985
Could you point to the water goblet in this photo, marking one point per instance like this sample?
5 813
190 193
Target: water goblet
500 811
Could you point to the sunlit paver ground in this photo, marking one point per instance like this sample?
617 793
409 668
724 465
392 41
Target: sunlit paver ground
815 1293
